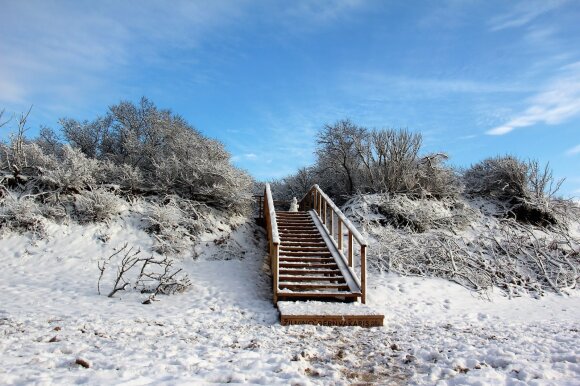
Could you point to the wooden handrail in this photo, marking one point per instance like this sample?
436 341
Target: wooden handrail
273 237
317 200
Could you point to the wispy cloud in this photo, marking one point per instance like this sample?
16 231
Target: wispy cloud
427 87
321 11
523 13
558 102
573 151
71 51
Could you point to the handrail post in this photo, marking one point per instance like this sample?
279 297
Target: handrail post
363 273
275 271
339 234
331 223
350 248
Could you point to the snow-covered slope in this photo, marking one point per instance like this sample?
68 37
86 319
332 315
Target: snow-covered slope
224 329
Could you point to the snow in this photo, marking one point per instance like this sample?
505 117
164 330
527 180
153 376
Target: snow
301 308
224 329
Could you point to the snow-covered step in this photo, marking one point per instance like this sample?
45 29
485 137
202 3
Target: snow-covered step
308 271
307 265
329 314
290 278
302 248
307 259
305 254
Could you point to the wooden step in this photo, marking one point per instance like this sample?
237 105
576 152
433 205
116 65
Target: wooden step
302 248
290 278
291 271
307 265
288 259
318 294
303 237
293 286
299 243
295 227
306 254
329 314
300 234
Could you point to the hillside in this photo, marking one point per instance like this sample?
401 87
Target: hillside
224 329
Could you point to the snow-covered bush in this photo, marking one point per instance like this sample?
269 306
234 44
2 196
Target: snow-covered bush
420 215
468 244
96 205
161 153
174 224
503 177
74 173
21 214
525 189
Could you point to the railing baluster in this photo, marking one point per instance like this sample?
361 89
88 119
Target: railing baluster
363 273
350 248
339 234
331 223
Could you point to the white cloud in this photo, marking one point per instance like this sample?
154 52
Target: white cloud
322 11
250 156
72 51
559 102
573 151
524 13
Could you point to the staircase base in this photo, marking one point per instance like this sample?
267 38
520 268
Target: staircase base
329 314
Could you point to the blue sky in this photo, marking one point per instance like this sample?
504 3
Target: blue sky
477 78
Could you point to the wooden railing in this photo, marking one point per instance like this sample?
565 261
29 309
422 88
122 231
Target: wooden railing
273 237
334 221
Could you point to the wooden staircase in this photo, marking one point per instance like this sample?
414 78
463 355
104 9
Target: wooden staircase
307 267
309 263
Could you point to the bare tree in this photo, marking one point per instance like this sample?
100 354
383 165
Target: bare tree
336 149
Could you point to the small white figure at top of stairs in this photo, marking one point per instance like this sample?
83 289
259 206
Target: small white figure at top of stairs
294 205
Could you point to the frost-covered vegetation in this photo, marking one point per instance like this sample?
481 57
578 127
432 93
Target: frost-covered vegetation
499 223
89 170
136 160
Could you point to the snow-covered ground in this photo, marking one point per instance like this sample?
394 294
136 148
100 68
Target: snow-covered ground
224 329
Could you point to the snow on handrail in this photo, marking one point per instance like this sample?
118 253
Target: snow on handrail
272 215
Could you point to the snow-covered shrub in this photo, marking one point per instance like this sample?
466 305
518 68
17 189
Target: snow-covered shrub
21 214
174 224
503 177
96 205
420 215
125 177
524 188
75 172
475 249
158 152
434 179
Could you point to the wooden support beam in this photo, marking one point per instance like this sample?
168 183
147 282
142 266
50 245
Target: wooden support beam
339 234
363 273
350 248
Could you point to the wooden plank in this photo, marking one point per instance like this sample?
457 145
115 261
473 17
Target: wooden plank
312 294
306 271
290 278
366 321
306 265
